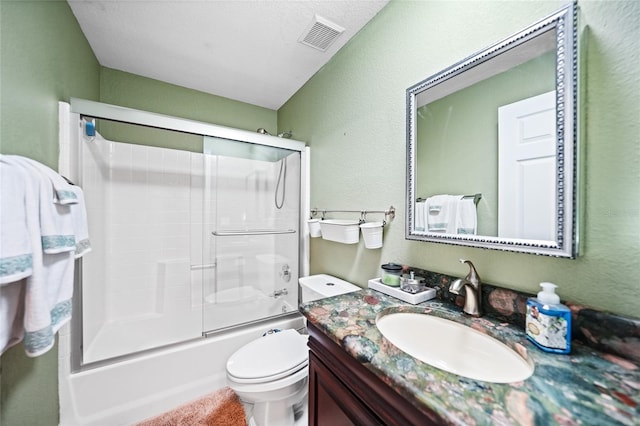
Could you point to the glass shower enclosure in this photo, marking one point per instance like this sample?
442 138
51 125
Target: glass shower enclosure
185 244
252 242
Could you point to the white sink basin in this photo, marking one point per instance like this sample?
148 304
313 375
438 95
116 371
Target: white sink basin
454 347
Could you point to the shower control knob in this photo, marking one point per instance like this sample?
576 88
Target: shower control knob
286 273
279 293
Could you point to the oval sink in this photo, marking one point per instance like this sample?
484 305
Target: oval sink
454 347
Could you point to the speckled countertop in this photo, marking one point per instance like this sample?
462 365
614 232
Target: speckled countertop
586 387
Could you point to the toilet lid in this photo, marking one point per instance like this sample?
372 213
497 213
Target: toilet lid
270 357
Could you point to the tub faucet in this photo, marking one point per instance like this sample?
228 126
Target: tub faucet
472 290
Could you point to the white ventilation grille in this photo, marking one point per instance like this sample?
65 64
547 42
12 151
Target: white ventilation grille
321 33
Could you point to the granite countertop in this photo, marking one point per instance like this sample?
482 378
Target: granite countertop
585 387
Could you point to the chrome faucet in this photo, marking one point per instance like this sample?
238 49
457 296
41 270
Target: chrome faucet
472 290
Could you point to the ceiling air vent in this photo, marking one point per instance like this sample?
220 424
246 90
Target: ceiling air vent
320 33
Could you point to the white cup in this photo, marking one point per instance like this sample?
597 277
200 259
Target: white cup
372 234
314 228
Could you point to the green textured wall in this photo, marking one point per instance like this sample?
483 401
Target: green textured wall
352 113
134 91
44 59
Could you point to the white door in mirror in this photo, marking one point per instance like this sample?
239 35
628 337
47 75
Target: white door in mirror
527 171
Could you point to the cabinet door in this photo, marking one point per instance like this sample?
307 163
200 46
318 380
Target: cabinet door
331 402
342 391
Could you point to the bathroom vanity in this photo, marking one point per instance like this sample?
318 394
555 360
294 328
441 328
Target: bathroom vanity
358 377
342 391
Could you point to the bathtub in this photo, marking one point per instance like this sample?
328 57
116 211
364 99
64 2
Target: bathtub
131 390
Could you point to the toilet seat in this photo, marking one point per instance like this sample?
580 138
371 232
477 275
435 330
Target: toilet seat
273 387
269 358
265 379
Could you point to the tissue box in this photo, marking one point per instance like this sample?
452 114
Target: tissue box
340 231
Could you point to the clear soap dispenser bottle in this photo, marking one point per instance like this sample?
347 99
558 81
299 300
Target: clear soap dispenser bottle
548 322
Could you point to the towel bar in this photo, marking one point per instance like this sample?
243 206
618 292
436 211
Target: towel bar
253 232
390 212
476 198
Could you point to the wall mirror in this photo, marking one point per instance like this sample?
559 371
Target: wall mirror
492 145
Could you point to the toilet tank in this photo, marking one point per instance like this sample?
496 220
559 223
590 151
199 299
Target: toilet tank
319 286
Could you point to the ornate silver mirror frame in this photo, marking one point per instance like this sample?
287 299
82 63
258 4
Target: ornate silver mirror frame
562 24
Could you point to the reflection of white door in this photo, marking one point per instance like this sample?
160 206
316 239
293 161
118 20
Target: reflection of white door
527 168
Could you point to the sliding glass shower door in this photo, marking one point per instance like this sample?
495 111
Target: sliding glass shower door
185 243
137 287
251 241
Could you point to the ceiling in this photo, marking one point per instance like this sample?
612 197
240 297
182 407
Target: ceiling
246 50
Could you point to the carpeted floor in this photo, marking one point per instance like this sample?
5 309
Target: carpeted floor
221 408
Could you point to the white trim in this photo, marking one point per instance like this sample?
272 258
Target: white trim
152 119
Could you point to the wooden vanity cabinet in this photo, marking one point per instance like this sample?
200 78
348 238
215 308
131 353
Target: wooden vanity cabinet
344 392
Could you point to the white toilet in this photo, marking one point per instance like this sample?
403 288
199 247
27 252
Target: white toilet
271 372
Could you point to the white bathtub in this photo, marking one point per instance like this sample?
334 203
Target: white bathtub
128 391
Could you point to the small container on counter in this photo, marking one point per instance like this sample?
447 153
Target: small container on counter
411 283
390 274
548 322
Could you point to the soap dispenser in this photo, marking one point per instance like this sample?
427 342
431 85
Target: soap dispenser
548 322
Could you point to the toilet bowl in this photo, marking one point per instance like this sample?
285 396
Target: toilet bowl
271 373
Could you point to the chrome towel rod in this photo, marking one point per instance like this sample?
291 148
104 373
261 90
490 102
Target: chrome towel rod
476 198
253 232
203 266
389 213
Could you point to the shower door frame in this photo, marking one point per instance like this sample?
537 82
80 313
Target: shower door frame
98 110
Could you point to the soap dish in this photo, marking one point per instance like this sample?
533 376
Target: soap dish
414 299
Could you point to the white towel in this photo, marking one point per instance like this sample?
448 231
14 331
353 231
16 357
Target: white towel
45 295
441 213
80 224
47 301
466 216
50 282
11 314
56 222
16 258
62 190
420 217
72 219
